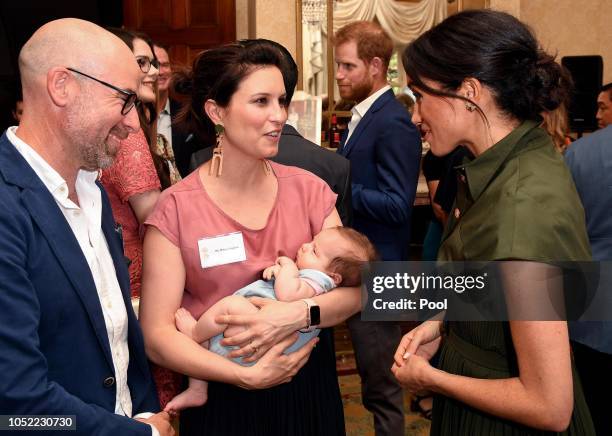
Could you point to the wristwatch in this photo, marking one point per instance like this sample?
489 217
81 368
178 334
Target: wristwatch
313 315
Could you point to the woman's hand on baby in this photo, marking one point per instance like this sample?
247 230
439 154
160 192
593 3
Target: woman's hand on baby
275 367
274 322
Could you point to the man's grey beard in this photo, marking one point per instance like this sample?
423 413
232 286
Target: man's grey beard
79 125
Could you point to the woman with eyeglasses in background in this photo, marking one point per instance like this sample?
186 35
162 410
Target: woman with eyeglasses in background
133 182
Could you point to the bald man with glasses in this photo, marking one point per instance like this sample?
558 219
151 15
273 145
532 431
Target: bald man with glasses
130 98
71 344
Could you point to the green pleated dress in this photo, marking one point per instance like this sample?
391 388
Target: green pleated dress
517 200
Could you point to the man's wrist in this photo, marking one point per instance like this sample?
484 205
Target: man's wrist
147 415
154 431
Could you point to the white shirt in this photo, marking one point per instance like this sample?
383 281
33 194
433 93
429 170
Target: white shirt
359 110
164 122
86 223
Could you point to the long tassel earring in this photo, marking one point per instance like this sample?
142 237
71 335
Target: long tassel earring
217 156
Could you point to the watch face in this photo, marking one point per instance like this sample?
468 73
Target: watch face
315 315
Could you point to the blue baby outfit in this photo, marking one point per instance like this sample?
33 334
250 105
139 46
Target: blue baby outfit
265 289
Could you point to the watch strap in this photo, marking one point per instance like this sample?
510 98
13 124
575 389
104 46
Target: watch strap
310 303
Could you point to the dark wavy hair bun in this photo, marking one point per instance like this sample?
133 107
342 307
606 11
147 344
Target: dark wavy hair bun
552 83
498 50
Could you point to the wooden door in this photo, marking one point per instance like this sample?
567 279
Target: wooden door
186 26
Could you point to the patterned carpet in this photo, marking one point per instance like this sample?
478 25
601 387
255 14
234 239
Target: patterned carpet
359 422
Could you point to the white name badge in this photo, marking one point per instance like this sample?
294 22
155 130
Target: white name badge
221 250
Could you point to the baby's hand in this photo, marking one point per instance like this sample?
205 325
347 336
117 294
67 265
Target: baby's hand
271 272
284 260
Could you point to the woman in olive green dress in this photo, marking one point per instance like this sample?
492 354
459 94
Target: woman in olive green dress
482 81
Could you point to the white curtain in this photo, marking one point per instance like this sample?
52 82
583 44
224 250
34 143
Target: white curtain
314 53
403 22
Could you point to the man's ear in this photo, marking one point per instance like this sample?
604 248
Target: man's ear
214 111
58 85
376 67
336 277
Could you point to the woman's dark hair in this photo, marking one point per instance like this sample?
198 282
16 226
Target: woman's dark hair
289 68
216 74
147 111
498 50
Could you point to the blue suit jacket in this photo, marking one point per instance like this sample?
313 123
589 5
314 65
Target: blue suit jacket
55 354
385 152
590 161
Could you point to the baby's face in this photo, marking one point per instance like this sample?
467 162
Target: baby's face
319 253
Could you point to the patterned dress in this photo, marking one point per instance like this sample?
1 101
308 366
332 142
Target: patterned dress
133 172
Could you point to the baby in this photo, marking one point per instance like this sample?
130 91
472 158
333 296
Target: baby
333 258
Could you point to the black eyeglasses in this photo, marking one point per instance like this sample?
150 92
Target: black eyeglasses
145 63
131 98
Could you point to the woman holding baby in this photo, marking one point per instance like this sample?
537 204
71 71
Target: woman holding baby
216 231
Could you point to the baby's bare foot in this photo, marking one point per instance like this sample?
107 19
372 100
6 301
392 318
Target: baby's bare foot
185 322
191 397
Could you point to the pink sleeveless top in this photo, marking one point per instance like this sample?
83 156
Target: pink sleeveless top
185 213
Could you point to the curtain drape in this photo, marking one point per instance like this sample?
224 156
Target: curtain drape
402 21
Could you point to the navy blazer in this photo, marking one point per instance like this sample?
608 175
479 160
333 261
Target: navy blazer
294 149
55 356
385 153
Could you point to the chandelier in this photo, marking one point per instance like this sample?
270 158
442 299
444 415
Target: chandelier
314 12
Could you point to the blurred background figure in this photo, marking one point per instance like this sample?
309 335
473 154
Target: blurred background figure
441 177
164 130
164 77
179 144
384 148
589 160
556 124
406 99
604 106
18 107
